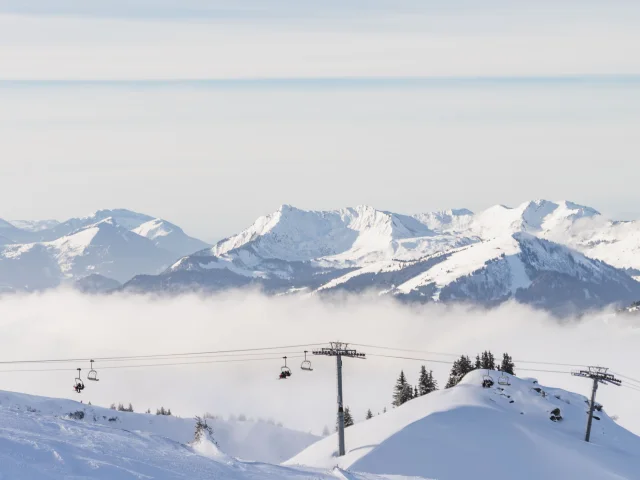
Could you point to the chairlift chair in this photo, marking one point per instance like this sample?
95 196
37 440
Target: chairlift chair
79 384
306 364
285 372
503 379
487 380
92 375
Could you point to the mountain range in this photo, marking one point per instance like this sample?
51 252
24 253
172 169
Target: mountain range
114 245
559 256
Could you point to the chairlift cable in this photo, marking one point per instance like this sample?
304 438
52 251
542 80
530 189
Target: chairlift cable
158 356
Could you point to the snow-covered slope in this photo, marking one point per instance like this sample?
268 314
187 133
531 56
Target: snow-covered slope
529 253
503 432
42 438
169 237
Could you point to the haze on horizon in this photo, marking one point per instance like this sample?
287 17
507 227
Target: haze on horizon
209 115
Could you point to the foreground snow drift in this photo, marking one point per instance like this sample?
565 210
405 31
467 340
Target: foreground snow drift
504 432
53 439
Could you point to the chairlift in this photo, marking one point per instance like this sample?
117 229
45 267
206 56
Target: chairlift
503 379
79 384
306 364
487 380
285 372
92 375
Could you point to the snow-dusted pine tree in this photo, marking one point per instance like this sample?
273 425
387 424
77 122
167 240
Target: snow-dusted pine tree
403 392
203 431
507 364
460 368
348 419
369 414
426 382
488 360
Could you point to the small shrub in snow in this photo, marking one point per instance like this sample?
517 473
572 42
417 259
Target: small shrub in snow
77 415
555 415
203 431
113 419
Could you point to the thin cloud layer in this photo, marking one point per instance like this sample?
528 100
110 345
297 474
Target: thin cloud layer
64 324
177 40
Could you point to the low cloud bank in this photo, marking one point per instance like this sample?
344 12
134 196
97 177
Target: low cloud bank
65 324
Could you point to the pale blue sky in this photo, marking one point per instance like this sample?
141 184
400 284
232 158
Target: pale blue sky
384 103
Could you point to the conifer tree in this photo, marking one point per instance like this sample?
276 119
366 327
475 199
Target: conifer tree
403 392
488 361
203 431
460 368
507 364
478 362
325 431
426 382
348 419
369 414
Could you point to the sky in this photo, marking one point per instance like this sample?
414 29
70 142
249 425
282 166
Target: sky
210 114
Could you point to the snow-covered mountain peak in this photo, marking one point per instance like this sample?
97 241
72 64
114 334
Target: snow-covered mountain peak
536 216
127 218
170 237
294 234
453 220
156 228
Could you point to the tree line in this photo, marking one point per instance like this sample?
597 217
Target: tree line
403 391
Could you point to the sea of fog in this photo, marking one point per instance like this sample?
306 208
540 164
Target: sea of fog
66 325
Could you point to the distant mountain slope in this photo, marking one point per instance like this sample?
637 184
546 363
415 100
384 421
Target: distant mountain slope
500 254
501 433
125 218
117 244
104 248
96 283
34 225
169 237
14 234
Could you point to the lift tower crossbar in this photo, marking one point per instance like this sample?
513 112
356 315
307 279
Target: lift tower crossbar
339 350
598 375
